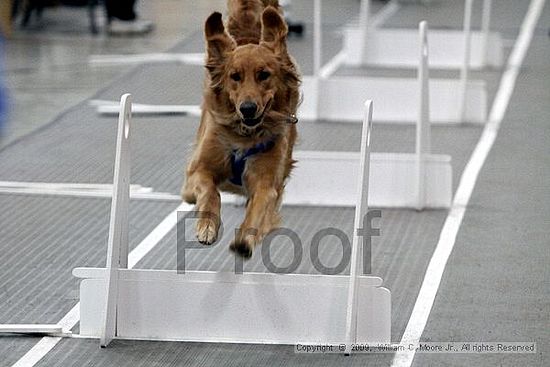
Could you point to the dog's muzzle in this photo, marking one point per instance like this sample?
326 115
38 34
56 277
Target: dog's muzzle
252 122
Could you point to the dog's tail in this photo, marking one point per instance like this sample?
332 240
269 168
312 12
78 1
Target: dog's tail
244 23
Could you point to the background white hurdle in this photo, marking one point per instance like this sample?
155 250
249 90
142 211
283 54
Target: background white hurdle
335 97
227 307
368 45
396 100
416 180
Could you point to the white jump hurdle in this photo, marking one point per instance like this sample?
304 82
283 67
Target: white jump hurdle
401 180
396 100
335 97
368 45
226 307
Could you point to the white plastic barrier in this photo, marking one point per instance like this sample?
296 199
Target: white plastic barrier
446 49
396 99
368 45
328 179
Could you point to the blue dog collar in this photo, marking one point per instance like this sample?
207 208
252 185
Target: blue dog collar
238 160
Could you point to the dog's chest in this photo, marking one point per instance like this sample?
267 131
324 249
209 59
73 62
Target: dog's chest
238 160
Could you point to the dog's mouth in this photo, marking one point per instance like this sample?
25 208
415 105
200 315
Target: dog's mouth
248 127
253 122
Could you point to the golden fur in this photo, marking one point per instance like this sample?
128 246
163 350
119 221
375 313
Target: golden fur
247 63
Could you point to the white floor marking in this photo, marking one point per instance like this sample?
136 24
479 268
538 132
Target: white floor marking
436 267
384 14
81 190
68 185
333 65
184 58
151 195
46 344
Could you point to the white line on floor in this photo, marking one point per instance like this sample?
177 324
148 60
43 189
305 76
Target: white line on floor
384 14
330 67
46 344
436 267
67 186
83 193
81 190
183 58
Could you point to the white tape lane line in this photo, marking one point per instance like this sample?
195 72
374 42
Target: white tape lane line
436 267
384 14
46 344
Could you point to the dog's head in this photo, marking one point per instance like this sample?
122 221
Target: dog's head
253 84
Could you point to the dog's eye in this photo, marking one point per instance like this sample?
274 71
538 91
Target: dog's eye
236 76
263 75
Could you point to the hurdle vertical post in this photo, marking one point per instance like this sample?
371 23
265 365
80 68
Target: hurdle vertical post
485 30
466 62
317 54
363 27
423 133
117 250
361 208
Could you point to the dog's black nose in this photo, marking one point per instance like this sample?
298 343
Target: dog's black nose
248 109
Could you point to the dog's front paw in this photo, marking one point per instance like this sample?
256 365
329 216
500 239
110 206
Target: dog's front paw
242 247
188 195
207 231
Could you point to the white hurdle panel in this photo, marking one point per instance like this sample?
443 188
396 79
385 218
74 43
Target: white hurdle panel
226 307
367 45
395 98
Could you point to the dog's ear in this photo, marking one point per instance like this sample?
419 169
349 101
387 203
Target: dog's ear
274 30
218 41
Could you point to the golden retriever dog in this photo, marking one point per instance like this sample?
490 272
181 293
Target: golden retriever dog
247 130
